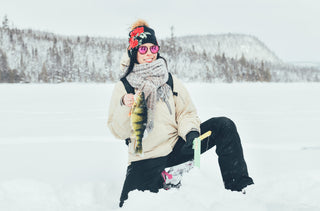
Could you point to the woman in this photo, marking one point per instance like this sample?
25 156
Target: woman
172 121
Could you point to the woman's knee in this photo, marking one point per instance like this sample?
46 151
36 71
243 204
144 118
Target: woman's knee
226 122
217 124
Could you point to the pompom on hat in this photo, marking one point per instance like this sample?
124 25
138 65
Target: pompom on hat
140 33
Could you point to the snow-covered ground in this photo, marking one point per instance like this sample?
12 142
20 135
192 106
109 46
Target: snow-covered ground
57 154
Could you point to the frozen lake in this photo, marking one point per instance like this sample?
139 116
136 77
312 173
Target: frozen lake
56 152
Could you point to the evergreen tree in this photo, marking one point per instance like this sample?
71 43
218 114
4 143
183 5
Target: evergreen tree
172 42
5 22
172 51
218 52
243 60
109 57
14 76
43 76
223 58
4 67
22 76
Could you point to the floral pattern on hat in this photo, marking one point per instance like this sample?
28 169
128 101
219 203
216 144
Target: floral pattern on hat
135 34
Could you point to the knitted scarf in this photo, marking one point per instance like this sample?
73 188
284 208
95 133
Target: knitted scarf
151 79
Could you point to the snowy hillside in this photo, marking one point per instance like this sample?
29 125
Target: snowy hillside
307 64
232 45
42 55
33 56
56 153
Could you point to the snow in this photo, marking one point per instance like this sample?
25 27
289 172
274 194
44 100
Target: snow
314 64
56 152
233 45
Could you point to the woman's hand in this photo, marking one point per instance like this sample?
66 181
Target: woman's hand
187 148
128 100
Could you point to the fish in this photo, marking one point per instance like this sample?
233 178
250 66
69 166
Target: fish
139 117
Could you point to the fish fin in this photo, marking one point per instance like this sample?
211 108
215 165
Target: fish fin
139 152
145 134
134 143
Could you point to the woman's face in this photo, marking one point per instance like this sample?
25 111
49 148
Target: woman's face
148 57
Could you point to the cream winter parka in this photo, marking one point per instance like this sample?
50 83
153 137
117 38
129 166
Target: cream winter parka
167 127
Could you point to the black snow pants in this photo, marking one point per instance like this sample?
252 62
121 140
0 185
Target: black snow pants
146 174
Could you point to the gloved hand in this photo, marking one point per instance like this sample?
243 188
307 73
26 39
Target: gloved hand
187 147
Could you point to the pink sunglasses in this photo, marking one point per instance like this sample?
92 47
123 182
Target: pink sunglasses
153 49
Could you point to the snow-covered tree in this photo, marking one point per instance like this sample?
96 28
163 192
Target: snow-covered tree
5 22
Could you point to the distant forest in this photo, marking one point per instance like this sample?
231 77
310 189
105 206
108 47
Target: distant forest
28 56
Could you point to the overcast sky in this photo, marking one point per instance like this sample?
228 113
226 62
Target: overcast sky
290 28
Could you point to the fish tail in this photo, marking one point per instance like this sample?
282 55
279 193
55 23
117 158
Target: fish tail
138 147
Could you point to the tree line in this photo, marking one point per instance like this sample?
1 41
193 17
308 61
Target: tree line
28 56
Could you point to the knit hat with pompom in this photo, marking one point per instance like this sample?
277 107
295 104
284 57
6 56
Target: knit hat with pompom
140 33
